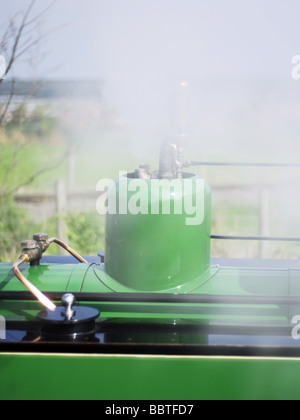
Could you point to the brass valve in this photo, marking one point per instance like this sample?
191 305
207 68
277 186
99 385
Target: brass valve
32 253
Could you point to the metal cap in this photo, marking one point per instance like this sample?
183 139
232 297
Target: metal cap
68 301
40 237
68 323
29 245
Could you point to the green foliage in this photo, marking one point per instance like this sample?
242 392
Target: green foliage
86 232
14 225
36 123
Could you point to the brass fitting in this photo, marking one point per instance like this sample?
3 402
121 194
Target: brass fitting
33 251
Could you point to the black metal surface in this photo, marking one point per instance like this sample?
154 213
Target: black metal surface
162 298
153 336
81 314
151 349
175 326
225 262
81 326
61 259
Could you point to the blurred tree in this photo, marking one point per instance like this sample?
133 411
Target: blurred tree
20 38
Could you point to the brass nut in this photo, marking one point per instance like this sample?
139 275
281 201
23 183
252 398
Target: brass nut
29 245
40 237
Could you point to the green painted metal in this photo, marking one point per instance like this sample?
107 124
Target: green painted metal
158 248
216 280
161 254
119 377
111 378
45 277
101 279
151 251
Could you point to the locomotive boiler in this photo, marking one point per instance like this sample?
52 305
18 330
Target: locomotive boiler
153 316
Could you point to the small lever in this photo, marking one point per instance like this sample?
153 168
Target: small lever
68 301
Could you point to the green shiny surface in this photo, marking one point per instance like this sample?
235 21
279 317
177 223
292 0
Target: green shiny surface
216 280
108 377
102 279
158 251
113 377
45 277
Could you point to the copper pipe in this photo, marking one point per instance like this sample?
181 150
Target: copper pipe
67 248
30 255
36 292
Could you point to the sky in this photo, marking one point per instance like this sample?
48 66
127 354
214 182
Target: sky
144 49
166 38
